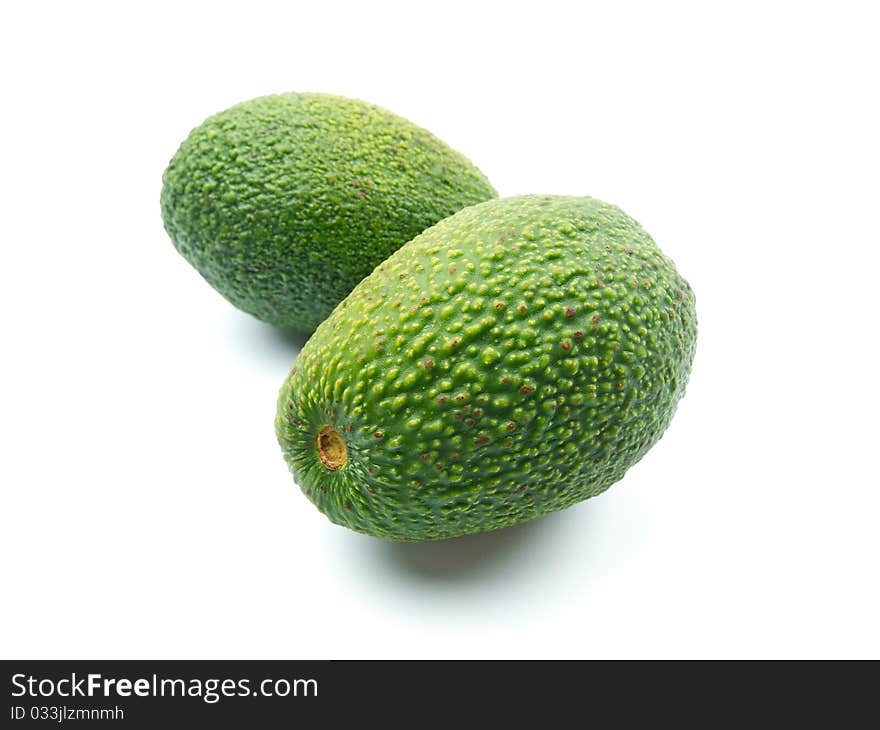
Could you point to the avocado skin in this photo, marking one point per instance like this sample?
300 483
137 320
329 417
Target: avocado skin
513 360
284 203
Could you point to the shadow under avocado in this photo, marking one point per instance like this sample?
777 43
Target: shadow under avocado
263 342
282 337
460 559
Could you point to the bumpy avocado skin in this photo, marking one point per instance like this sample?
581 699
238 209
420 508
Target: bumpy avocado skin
514 359
284 203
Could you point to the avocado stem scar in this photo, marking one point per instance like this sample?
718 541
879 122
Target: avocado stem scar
331 448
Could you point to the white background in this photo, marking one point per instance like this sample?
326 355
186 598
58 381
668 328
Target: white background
146 509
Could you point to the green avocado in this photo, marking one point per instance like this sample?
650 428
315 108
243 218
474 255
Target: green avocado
284 203
514 359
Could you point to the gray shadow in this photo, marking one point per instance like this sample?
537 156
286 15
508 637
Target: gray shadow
463 559
284 338
263 343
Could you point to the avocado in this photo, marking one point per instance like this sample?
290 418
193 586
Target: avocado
284 203
514 359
